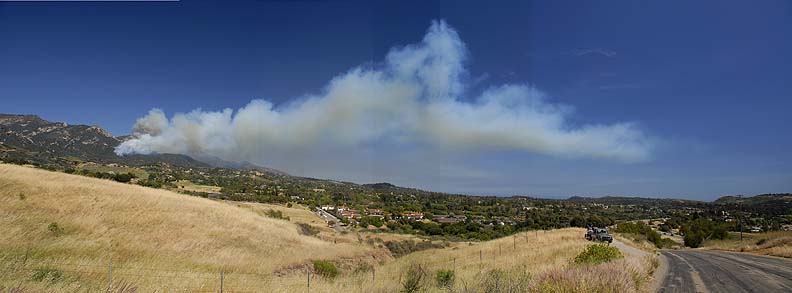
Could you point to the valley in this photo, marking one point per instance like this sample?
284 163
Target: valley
72 233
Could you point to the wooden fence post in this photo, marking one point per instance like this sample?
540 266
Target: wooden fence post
109 276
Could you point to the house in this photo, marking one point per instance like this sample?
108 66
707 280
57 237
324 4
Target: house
328 208
414 215
318 190
375 213
351 214
756 229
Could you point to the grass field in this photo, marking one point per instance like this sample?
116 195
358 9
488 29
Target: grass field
139 173
76 226
778 243
69 233
186 185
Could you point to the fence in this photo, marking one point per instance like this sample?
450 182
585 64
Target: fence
117 275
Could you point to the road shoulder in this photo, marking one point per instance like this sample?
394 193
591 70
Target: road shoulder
659 274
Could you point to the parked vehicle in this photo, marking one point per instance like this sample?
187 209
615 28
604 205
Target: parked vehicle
597 234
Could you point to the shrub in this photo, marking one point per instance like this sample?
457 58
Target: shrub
639 228
276 214
325 269
123 177
693 239
307 230
405 247
499 280
668 243
761 241
598 253
46 274
445 278
55 229
414 281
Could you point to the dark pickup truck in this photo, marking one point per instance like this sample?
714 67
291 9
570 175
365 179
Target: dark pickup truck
596 234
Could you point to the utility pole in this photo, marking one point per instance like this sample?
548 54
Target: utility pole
741 215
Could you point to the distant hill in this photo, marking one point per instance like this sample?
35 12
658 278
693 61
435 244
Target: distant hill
31 139
643 201
383 185
218 162
774 203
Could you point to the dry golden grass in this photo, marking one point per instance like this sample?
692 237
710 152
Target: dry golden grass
188 186
155 239
528 262
301 214
777 243
164 241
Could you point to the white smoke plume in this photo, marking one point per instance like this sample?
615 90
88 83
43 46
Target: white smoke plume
414 99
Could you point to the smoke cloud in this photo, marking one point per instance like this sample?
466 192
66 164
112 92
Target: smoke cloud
414 99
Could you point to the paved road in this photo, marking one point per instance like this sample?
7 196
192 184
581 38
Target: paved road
327 217
718 271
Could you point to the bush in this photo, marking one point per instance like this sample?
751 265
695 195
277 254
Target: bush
639 228
307 230
693 239
123 177
445 278
46 274
326 269
598 253
276 214
668 243
414 281
405 247
55 229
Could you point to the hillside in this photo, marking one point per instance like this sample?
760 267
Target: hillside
79 225
776 204
70 233
59 145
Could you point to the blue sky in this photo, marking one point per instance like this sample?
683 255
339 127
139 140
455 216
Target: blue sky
706 83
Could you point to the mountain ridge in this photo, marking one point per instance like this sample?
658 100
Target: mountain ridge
28 138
